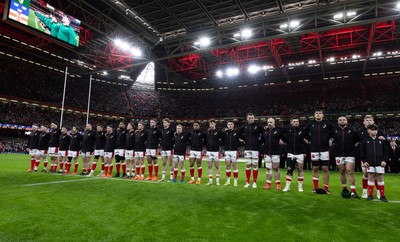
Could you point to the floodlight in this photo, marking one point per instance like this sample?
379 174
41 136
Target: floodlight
220 74
204 41
136 51
246 33
350 14
338 16
252 69
294 23
283 26
232 71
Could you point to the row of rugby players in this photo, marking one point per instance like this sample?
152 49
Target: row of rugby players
130 146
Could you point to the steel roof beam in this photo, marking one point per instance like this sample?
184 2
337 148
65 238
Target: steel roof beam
206 12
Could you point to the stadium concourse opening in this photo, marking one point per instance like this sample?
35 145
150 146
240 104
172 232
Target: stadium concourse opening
130 120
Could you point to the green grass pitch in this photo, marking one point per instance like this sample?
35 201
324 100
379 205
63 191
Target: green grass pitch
74 208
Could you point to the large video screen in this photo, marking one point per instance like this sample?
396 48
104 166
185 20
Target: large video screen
43 17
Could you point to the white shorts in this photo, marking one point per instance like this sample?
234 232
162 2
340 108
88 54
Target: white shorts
299 158
129 154
120 152
87 154
212 156
152 152
139 154
251 154
73 154
376 169
98 152
178 158
317 156
231 155
63 153
34 152
42 152
272 158
196 154
343 160
166 153
53 151
108 155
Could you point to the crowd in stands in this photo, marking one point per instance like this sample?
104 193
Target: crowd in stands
301 99
335 97
38 84
12 144
21 114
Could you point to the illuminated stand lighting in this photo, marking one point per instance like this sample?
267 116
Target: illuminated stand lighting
220 74
244 34
232 71
292 25
203 42
125 46
253 69
340 16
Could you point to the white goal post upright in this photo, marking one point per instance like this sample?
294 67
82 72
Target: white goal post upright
88 105
63 99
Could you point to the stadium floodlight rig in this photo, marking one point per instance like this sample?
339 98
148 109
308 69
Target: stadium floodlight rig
203 42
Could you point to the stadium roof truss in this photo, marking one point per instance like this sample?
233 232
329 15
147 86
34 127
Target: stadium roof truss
167 30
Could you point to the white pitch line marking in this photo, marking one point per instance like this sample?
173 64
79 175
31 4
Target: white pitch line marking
57 182
376 200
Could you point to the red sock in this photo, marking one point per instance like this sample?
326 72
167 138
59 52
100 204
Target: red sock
32 164
94 166
382 190
248 172
102 166
255 174
76 167
110 168
68 167
123 167
150 168
371 190
175 173
83 169
288 179
235 174
118 167
300 179
37 162
106 170
364 183
326 186
183 175
278 182
156 170
137 170
199 172
191 171
228 173
45 164
315 181
143 169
